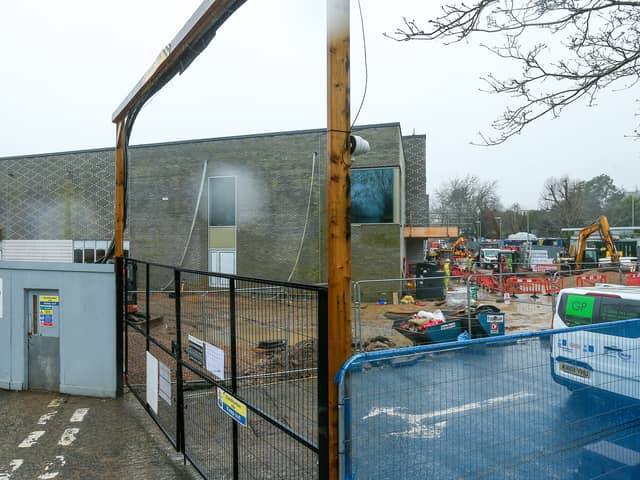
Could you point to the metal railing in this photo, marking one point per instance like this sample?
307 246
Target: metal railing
561 404
528 291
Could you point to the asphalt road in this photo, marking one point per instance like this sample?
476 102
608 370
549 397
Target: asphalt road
53 436
486 412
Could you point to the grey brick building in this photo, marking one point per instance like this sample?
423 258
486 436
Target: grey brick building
262 202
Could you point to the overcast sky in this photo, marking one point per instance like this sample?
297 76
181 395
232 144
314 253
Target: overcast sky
67 65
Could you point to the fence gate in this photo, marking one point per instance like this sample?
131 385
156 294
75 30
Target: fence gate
229 368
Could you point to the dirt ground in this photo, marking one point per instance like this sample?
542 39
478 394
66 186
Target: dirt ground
523 314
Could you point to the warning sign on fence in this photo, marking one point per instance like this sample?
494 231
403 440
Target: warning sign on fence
232 407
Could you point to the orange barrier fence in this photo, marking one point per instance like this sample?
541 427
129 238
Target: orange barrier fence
632 279
590 280
553 287
488 282
545 267
531 286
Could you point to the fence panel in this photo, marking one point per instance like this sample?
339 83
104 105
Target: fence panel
228 367
150 336
539 405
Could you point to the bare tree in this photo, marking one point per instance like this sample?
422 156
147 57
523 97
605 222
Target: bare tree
599 44
563 200
464 201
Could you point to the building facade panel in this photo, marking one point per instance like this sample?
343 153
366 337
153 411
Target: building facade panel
280 201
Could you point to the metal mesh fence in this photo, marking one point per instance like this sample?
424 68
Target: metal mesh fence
562 404
151 330
242 356
379 306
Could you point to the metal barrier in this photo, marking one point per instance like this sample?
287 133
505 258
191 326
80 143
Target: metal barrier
590 280
632 279
229 369
560 404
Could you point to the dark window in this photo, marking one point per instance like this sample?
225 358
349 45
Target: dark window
89 255
585 309
222 201
619 309
372 195
77 255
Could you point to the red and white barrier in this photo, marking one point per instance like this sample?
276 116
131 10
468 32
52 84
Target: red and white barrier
632 279
590 280
531 286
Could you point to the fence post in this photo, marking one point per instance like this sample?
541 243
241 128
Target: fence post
119 267
620 275
180 443
234 369
323 381
147 303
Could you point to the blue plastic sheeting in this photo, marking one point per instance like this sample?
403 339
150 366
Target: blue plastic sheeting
561 405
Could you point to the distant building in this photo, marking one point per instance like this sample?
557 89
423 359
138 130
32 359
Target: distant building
261 202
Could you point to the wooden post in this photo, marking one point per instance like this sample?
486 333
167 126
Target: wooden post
118 221
339 209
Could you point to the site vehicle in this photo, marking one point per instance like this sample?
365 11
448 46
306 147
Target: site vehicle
577 257
606 358
488 257
459 249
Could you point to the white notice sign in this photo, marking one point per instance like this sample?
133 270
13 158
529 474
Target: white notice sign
214 360
0 298
152 382
164 385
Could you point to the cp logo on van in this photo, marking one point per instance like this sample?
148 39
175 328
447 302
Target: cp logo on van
578 306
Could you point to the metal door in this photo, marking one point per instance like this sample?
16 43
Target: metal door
43 339
221 261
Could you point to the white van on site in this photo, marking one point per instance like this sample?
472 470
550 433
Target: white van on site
607 358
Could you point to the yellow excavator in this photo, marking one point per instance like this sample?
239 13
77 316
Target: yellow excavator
602 225
459 249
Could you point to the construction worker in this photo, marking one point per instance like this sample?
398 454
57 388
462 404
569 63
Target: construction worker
469 263
510 264
447 273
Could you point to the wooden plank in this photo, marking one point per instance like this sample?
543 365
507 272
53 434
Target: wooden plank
339 209
431 232
118 221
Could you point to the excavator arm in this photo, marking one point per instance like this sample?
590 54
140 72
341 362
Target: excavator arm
459 242
602 224
612 251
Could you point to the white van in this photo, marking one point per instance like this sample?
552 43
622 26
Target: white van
488 257
607 358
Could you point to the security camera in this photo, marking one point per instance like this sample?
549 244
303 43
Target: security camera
359 145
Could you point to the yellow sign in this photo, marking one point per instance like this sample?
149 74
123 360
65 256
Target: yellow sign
50 299
232 407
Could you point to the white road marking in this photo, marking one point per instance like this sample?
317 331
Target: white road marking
55 403
59 461
415 420
31 439
68 437
617 453
14 465
46 417
78 415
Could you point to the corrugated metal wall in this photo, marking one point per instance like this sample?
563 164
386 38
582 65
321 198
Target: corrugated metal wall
60 251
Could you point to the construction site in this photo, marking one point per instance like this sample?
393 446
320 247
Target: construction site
293 304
